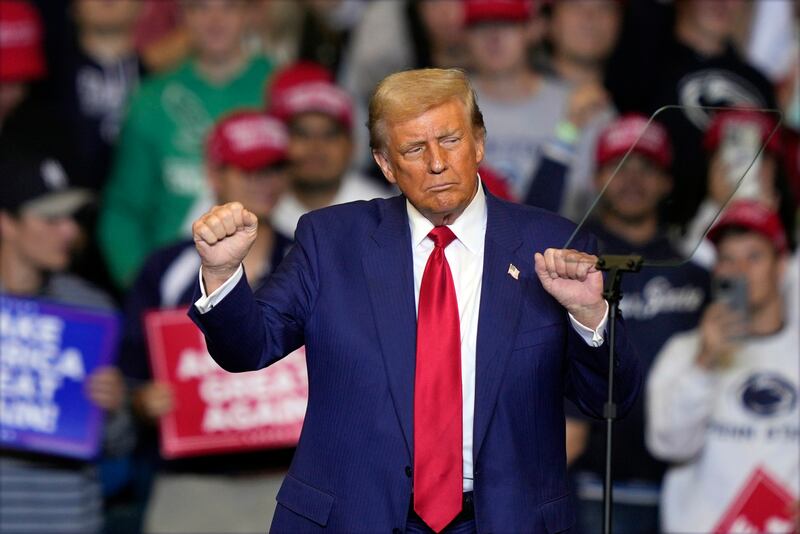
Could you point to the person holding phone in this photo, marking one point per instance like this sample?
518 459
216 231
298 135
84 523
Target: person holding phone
732 143
723 399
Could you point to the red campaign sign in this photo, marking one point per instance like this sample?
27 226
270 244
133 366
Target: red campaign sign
763 505
217 411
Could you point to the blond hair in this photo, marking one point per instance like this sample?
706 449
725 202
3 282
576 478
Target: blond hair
404 95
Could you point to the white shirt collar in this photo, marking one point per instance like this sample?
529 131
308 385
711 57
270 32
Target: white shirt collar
469 228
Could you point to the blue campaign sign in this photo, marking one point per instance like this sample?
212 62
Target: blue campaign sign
47 351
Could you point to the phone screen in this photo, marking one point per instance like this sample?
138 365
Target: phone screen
733 292
740 144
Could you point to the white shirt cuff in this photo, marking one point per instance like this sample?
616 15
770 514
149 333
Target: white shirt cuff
593 338
206 302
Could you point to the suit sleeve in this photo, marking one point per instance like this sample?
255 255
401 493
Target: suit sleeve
244 333
586 373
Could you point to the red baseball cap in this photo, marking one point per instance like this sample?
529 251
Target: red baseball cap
477 11
755 216
307 87
21 54
723 120
622 134
248 140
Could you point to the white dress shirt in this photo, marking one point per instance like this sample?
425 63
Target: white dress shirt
465 257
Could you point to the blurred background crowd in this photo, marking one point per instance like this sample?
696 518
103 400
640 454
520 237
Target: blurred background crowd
121 121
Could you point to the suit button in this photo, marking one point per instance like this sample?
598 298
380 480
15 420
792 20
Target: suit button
408 471
397 531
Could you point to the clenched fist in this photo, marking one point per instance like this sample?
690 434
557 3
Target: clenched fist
223 236
572 278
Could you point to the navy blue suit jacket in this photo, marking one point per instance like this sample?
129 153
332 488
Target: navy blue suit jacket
346 291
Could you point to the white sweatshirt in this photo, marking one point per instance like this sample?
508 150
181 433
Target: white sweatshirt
733 435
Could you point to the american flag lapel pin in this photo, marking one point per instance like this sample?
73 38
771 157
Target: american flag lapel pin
513 271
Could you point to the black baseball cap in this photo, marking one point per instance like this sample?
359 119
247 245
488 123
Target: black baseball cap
38 185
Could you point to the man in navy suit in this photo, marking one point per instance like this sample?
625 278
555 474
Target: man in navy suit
438 352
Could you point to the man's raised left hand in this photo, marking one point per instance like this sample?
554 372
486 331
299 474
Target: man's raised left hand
573 279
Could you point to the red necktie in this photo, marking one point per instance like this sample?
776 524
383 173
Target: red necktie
437 392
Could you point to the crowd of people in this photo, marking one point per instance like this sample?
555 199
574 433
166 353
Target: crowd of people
121 122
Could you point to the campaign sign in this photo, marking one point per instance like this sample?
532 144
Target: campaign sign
763 505
217 411
47 351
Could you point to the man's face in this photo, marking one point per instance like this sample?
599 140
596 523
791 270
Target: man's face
498 47
634 194
320 149
433 159
107 15
258 191
443 21
45 243
585 30
713 18
216 27
752 257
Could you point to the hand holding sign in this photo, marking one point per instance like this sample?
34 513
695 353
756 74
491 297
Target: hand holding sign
153 400
53 360
203 409
106 388
223 237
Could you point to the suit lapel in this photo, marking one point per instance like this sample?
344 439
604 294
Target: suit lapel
389 272
499 313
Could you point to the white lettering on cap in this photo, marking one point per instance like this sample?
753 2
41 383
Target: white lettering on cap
53 174
255 133
319 96
18 34
624 135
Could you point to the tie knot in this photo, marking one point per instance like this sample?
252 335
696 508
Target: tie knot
441 236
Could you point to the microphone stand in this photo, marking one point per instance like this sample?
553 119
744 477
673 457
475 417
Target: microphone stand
615 266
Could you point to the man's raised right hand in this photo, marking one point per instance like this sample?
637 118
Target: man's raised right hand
223 236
